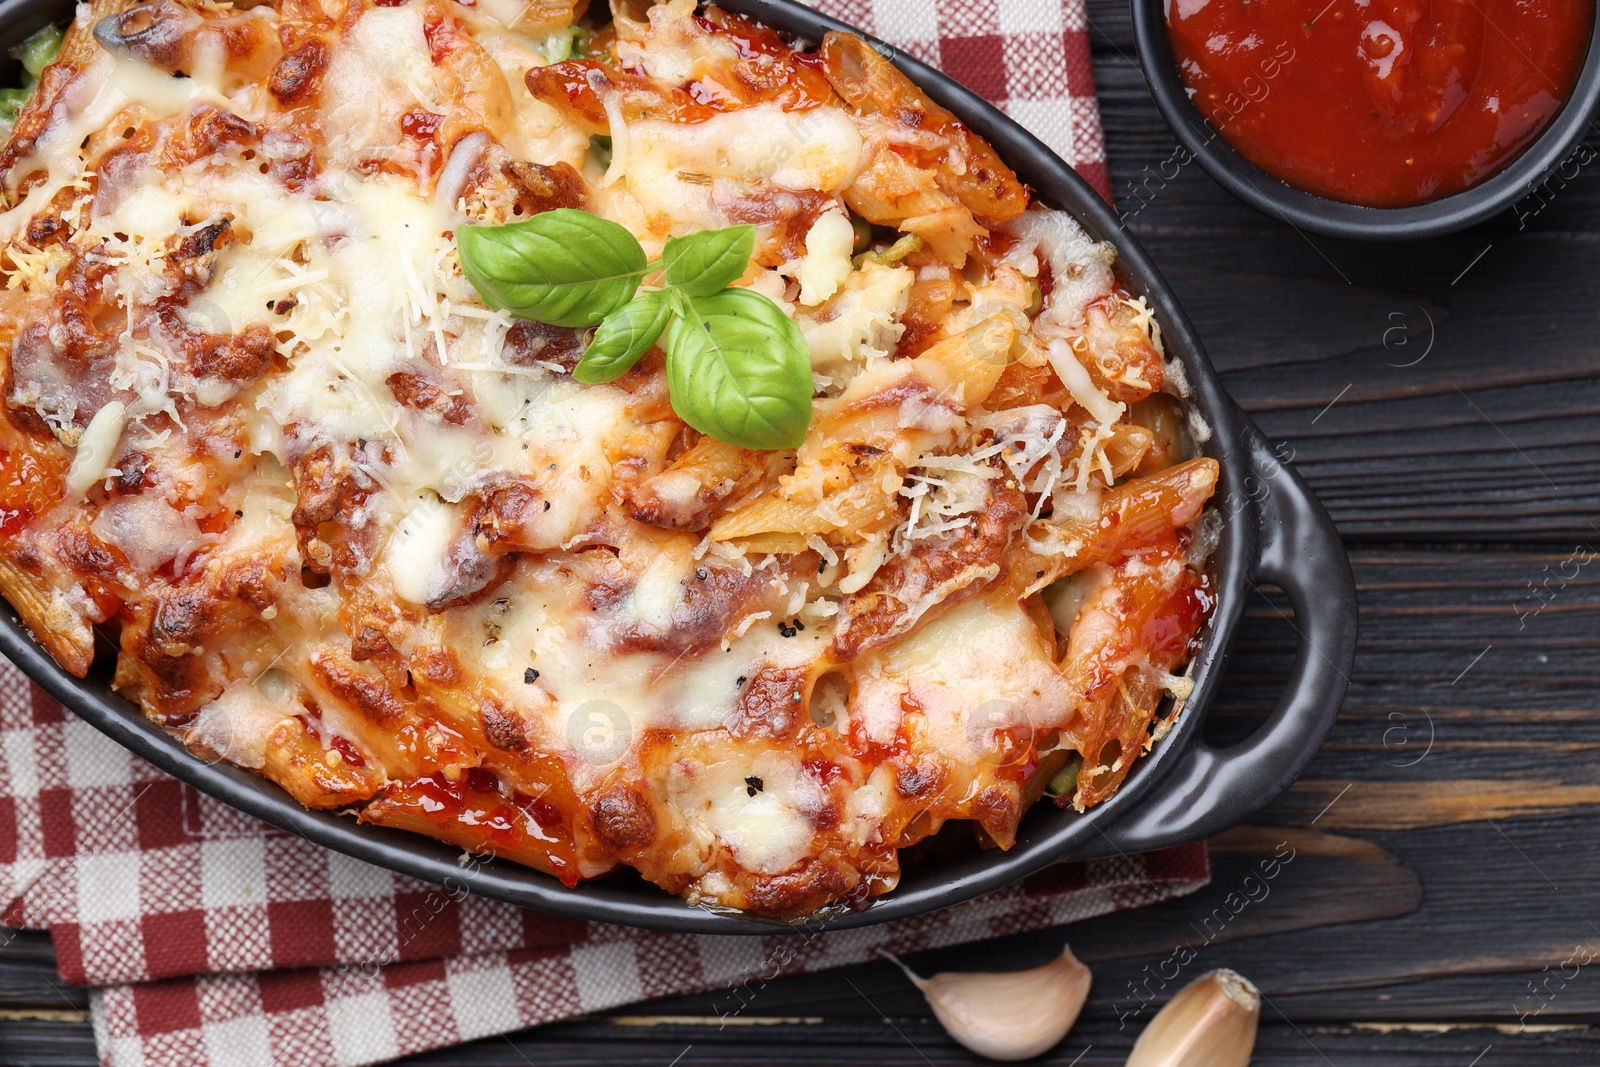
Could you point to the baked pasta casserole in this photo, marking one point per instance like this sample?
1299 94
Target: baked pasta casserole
342 520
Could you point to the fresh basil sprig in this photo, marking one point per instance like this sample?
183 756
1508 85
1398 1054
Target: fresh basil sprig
738 368
565 267
624 336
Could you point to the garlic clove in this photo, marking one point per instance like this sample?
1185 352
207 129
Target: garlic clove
1210 1023
1011 1015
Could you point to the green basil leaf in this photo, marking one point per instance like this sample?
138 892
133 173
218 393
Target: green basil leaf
738 369
564 267
709 261
624 336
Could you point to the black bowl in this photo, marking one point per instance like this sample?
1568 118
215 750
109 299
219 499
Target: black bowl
1274 532
1307 211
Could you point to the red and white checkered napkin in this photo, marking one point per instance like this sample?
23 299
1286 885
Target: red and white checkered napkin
216 941
1029 57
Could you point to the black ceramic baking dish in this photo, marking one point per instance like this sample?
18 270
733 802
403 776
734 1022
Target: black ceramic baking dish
1274 532
1307 211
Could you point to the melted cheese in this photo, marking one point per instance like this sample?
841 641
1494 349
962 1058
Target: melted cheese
763 827
948 671
107 87
236 725
861 322
827 260
95 447
660 169
1080 265
416 553
1071 371
385 71
147 530
538 623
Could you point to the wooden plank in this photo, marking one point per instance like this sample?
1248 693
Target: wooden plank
914 1042
1433 802
1265 880
46 1043
28 979
1466 444
1554 995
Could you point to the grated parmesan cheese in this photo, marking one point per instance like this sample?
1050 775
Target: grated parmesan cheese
95 448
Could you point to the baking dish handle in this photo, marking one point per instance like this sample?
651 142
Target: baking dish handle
1297 549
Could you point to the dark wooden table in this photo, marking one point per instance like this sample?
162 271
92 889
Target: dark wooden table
1444 399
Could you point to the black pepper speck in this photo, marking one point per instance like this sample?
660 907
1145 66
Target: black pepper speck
530 675
753 785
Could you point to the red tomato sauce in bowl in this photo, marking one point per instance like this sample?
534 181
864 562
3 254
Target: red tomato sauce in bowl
1386 103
